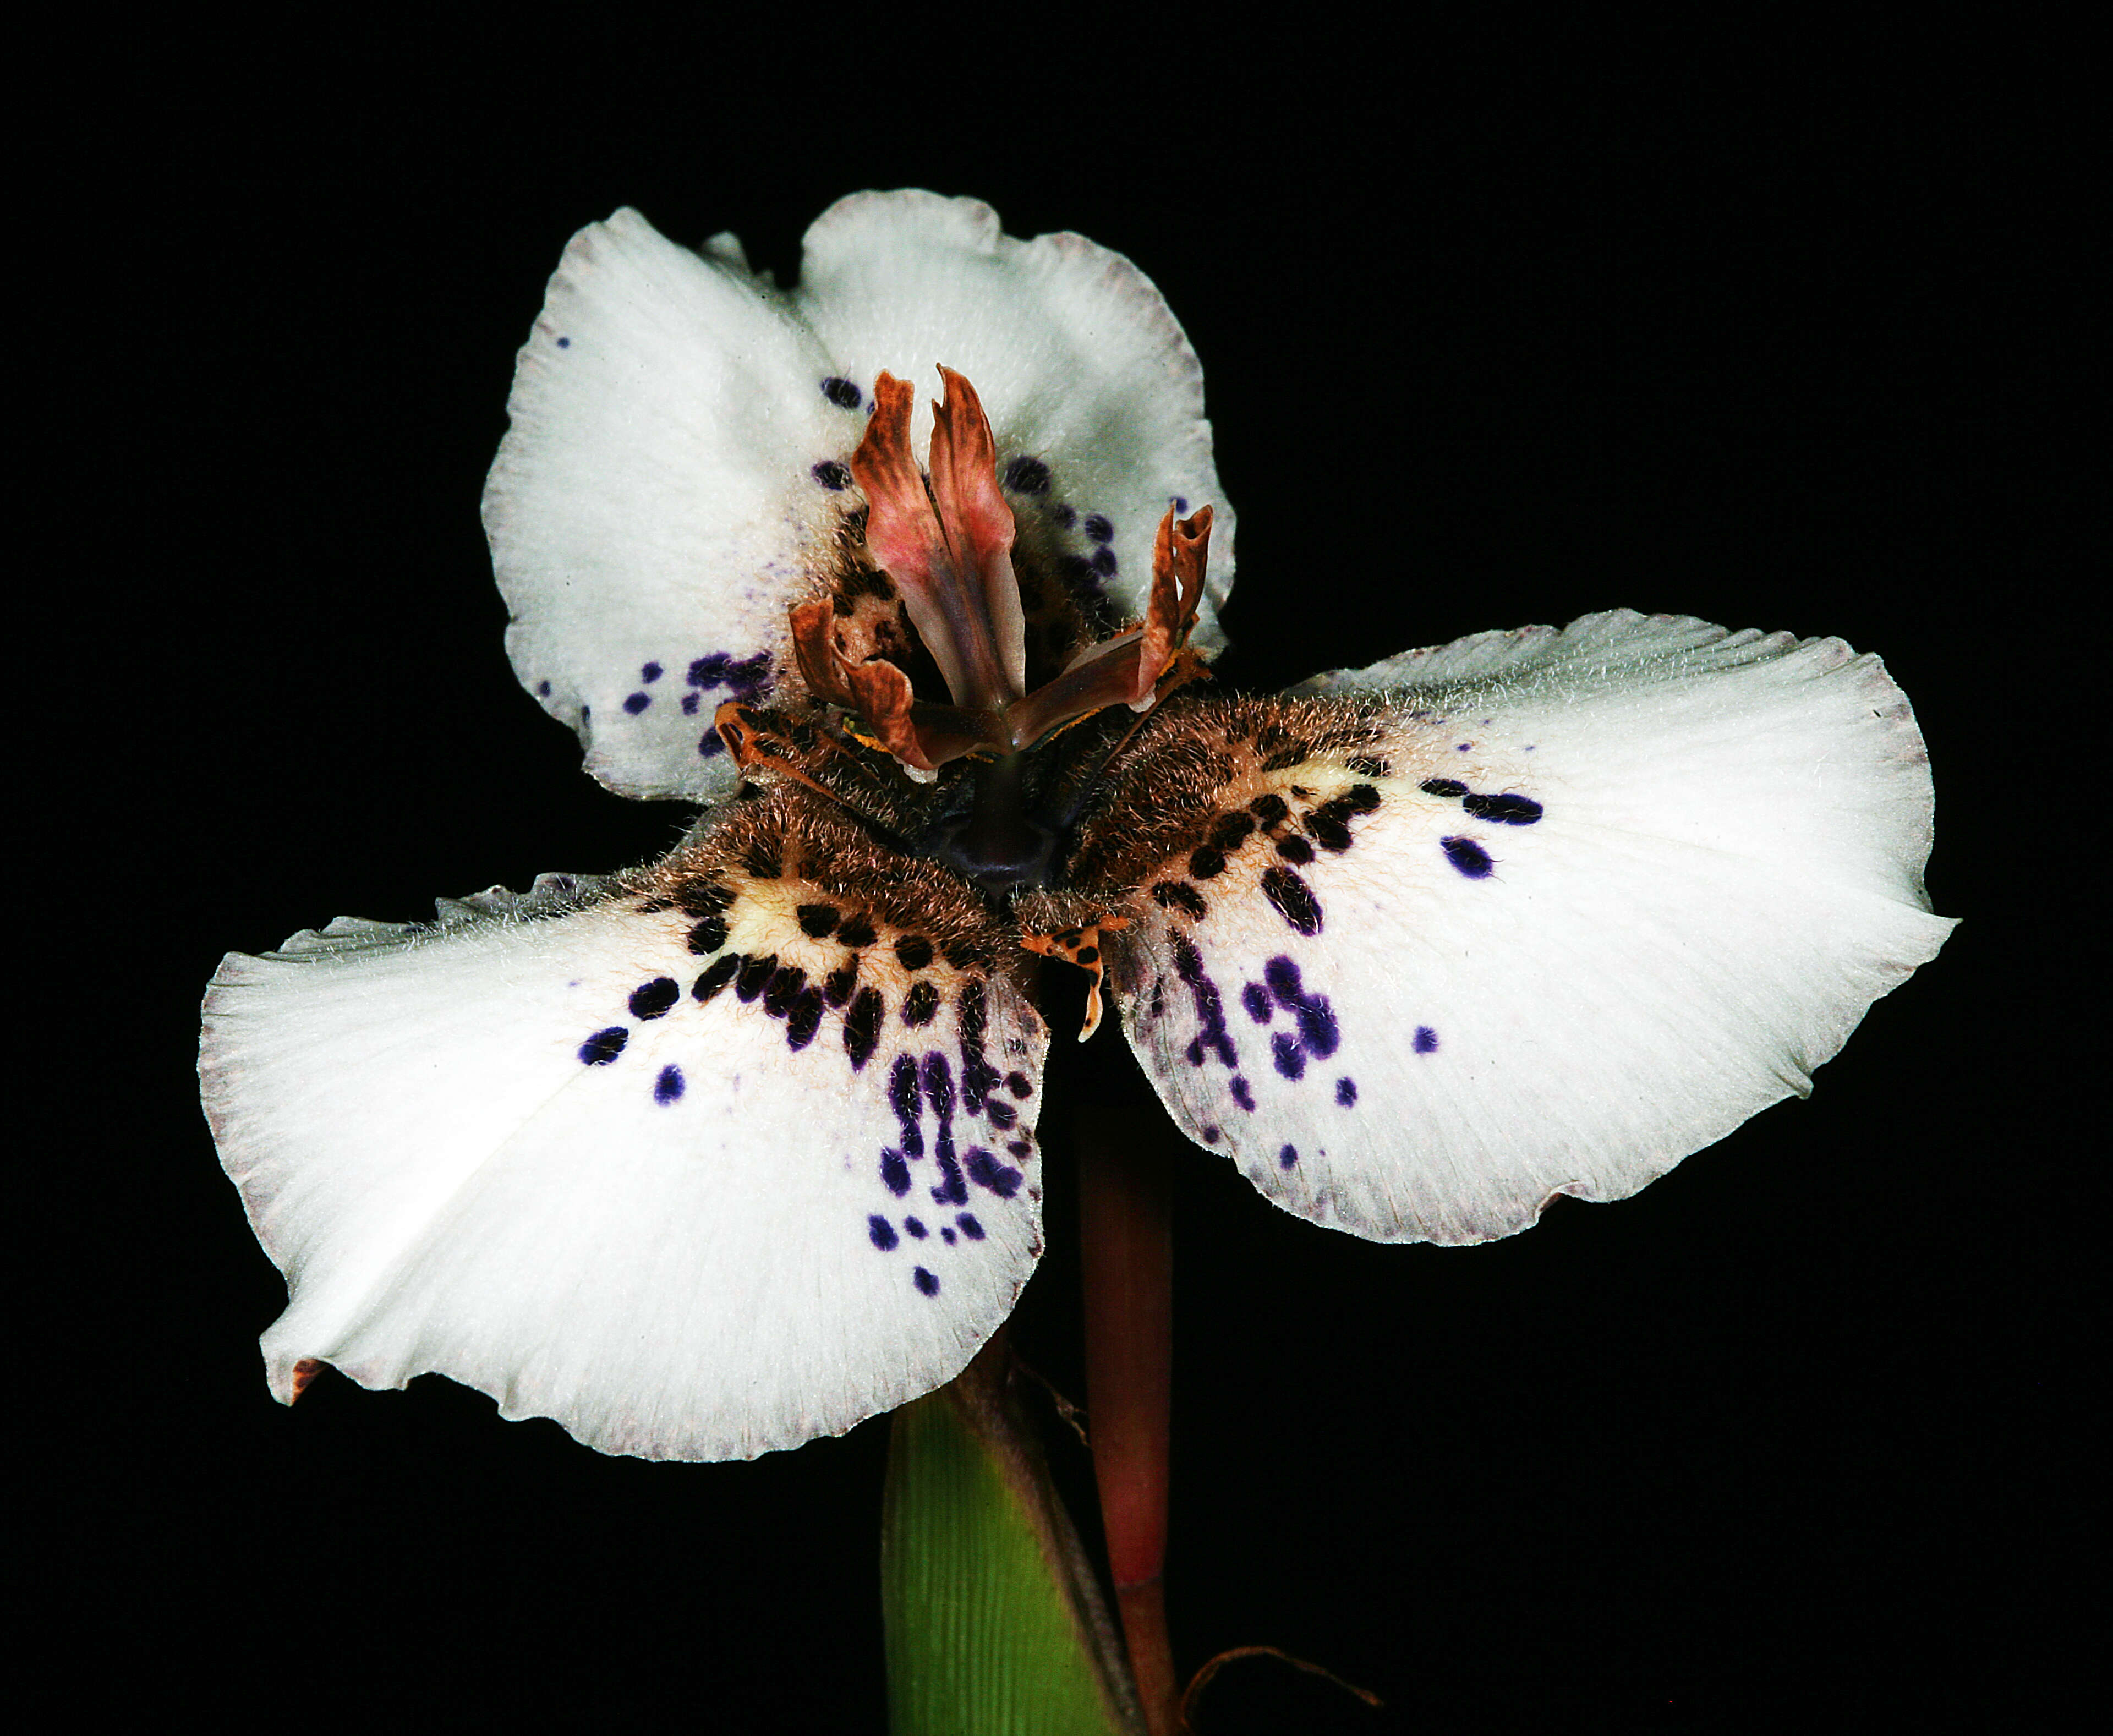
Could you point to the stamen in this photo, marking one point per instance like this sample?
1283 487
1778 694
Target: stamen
948 544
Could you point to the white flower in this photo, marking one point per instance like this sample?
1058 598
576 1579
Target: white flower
736 1149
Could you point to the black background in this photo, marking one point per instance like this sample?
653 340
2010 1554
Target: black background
1497 329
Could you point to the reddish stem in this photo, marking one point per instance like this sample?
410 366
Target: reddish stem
1125 1210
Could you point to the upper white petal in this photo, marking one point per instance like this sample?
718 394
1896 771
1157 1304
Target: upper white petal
663 496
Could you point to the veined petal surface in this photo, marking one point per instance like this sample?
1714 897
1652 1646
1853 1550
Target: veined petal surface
1533 913
701 1161
677 474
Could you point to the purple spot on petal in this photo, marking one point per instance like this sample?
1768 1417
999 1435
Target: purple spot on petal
1467 856
1210 1135
1426 1039
970 1227
689 704
841 392
1242 1095
985 1171
650 672
1286 1050
1256 999
708 672
1287 1157
1346 1092
1103 561
894 1173
1066 517
637 702
915 1227
832 475
882 1232
605 1046
667 1088
1097 527
711 745
542 690
1026 475
927 1285
1317 1028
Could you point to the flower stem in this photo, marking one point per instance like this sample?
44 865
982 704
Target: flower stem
1124 1208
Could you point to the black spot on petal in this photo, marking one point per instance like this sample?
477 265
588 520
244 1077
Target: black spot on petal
1294 899
1507 810
720 974
817 919
782 990
915 951
651 1000
702 897
862 1027
1179 895
920 1005
804 1019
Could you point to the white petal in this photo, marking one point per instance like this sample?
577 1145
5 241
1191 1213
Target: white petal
674 480
514 1148
1078 359
1572 906
653 509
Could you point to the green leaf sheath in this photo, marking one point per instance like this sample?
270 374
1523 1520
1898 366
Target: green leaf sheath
995 1624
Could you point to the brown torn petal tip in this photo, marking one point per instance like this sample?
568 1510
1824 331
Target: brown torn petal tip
1180 550
1080 946
304 1371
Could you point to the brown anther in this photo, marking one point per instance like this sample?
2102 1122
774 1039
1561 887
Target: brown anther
1080 946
